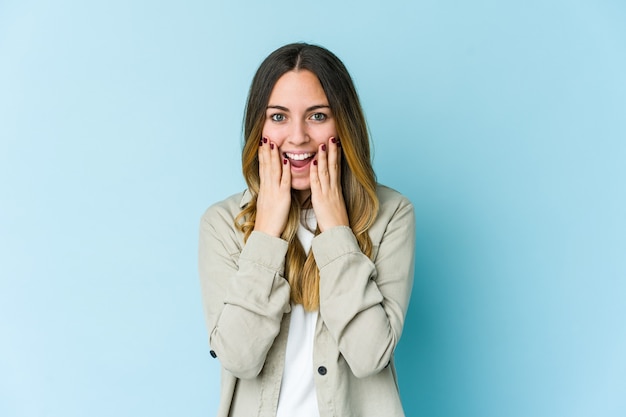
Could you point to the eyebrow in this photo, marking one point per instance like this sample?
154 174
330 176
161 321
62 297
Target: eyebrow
285 109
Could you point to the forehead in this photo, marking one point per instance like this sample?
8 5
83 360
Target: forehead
296 87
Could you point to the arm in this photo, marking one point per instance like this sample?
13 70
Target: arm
244 294
363 303
244 291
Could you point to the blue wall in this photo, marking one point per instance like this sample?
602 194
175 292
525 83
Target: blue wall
504 123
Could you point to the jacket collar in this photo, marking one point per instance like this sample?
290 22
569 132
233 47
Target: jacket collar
245 198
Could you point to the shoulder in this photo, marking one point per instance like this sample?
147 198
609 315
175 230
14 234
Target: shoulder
225 211
394 223
395 213
218 223
390 200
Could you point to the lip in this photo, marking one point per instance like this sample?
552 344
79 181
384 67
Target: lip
295 162
290 155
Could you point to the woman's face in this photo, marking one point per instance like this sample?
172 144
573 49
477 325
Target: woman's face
298 120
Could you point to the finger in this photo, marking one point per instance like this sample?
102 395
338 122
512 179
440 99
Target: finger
276 163
263 161
314 177
334 161
322 166
286 175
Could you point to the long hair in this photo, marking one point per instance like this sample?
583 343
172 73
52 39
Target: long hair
358 180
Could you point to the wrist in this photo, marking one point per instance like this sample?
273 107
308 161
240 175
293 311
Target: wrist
266 230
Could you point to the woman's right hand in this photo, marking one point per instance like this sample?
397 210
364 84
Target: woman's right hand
274 199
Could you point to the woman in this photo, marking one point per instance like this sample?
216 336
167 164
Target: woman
306 275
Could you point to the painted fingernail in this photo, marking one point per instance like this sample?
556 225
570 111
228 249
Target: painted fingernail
324 147
315 162
261 142
271 146
333 140
264 140
285 161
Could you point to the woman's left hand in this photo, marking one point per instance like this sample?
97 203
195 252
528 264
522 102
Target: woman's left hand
326 195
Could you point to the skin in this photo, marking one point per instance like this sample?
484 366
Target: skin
299 121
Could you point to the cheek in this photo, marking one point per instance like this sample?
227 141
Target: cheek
273 133
330 129
266 129
323 134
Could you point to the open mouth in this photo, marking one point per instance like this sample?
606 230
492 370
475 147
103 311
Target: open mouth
299 160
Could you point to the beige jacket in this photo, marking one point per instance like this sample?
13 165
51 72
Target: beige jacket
361 314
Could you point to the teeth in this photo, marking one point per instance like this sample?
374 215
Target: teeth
298 156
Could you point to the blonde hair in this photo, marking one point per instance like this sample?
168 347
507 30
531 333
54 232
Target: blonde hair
358 180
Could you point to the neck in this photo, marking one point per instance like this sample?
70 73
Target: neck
304 198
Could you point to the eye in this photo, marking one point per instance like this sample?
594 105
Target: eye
277 117
318 117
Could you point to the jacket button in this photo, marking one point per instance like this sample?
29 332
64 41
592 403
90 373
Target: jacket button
213 354
321 370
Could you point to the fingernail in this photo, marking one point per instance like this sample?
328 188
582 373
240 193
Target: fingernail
264 140
315 162
271 146
261 142
333 140
285 161
324 147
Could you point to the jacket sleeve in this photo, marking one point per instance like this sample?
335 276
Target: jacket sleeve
244 292
363 303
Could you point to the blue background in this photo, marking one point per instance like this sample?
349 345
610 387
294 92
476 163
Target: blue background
504 123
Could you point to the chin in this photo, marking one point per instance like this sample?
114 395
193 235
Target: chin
300 185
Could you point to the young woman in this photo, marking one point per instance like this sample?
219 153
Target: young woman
306 275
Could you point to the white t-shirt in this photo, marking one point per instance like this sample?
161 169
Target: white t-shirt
297 390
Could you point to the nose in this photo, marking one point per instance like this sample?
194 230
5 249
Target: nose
298 134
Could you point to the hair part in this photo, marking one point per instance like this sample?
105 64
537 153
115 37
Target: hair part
358 180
